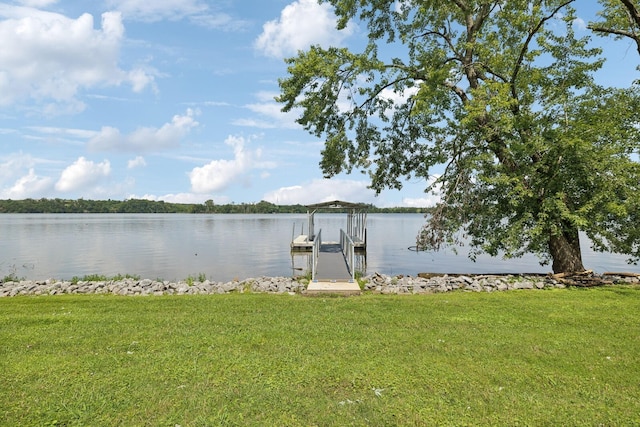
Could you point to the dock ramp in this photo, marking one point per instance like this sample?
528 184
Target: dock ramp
333 265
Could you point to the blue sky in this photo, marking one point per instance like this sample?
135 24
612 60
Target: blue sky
173 100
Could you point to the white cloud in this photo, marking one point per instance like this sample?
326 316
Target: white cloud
156 10
420 202
64 132
183 198
219 21
430 198
399 98
273 111
38 3
325 190
198 12
13 165
219 174
268 109
49 58
302 23
167 136
136 163
322 190
580 24
272 115
27 186
18 179
82 174
141 79
400 5
209 104
254 123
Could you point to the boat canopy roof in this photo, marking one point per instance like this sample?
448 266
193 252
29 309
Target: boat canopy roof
338 204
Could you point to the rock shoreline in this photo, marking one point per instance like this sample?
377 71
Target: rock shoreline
375 283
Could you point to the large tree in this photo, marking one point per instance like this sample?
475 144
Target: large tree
494 105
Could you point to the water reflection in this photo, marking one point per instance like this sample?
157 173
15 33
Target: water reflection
224 247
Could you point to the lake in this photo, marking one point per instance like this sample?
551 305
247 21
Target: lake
225 247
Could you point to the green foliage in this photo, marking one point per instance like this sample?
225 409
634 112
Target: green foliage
118 277
102 278
200 277
500 96
89 278
619 18
146 206
307 276
360 280
11 277
481 359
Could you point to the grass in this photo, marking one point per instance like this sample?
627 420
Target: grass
102 278
201 277
190 280
11 277
560 357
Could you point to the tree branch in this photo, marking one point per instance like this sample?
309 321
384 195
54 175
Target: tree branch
632 36
462 5
614 31
442 35
634 18
633 11
458 91
525 49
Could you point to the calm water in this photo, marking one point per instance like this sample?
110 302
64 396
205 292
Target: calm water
223 247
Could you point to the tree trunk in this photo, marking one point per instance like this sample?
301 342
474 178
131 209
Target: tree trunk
565 251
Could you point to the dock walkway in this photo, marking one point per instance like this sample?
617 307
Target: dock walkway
332 267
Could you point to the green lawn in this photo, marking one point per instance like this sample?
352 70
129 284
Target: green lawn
555 357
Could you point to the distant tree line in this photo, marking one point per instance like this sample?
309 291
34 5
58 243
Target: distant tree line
150 206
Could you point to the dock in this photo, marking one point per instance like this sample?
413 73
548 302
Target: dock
302 243
332 273
333 265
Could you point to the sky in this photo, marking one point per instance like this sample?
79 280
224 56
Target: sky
174 100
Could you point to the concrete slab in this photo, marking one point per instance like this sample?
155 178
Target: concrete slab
326 287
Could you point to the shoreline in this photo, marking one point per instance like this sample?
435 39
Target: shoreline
424 283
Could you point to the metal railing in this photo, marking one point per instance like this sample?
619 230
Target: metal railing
317 241
293 232
349 252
